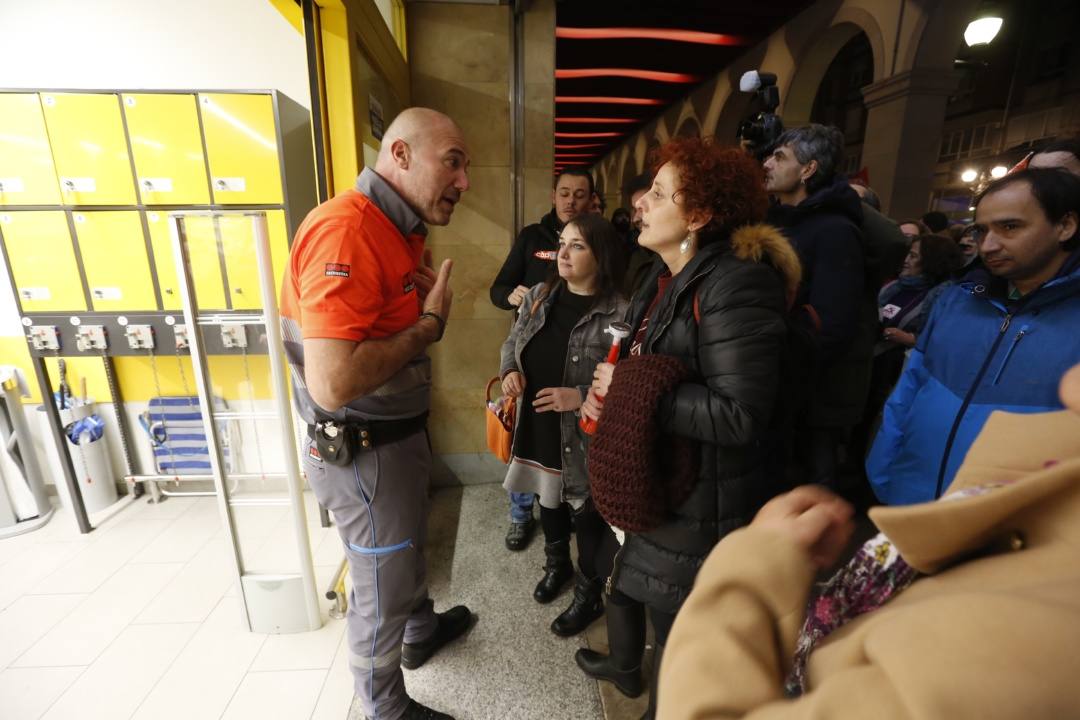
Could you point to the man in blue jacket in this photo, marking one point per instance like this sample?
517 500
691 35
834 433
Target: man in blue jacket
998 340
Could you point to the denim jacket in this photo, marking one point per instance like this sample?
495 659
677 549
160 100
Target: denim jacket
587 348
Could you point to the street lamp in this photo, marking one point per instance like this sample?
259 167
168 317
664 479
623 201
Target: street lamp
999 171
982 30
970 175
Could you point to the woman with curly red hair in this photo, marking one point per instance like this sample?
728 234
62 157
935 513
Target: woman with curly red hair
679 457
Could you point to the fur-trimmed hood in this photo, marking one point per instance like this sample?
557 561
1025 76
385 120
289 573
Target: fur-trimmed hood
762 242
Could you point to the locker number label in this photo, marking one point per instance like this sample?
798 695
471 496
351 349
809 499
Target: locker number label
158 184
230 184
12 185
106 293
78 184
35 293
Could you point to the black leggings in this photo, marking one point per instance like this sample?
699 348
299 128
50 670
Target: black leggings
661 621
596 542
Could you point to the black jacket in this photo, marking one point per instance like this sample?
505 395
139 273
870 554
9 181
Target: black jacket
735 350
835 297
530 260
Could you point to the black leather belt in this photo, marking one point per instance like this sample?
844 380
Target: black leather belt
367 434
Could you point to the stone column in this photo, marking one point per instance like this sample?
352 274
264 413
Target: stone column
905 115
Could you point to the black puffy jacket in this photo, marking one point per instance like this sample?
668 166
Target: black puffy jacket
734 347
530 260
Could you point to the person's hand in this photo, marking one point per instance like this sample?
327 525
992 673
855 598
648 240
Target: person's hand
517 295
602 378
513 384
440 295
559 399
424 277
592 407
899 336
814 518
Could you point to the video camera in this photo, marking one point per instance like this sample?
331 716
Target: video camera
760 132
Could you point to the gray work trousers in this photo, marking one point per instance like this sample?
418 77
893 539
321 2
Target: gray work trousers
380 506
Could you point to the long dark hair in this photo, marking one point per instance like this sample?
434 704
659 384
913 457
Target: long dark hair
608 249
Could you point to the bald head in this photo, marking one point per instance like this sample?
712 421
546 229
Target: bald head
424 158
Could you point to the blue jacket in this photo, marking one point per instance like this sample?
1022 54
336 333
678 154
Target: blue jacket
978 353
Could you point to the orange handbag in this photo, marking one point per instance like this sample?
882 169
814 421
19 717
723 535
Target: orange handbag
500 422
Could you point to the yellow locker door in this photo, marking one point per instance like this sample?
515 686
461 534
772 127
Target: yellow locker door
169 162
202 249
42 260
27 175
113 252
87 136
241 145
238 243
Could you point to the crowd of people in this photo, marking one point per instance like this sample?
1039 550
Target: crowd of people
780 330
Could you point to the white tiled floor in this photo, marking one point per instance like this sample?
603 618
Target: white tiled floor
140 620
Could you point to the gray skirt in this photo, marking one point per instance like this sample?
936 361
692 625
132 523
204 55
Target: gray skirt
529 476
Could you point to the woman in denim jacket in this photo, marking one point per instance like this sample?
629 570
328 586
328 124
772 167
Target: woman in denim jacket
548 362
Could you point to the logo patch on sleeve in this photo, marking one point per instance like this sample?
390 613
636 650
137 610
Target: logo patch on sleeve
337 270
407 285
546 254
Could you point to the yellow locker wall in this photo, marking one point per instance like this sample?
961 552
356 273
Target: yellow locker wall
241 147
42 259
27 175
203 251
169 162
238 243
87 136
113 251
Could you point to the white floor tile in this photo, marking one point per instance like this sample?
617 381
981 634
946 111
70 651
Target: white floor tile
215 662
194 592
337 691
81 636
87 570
25 694
289 695
33 563
26 620
301 651
118 681
182 539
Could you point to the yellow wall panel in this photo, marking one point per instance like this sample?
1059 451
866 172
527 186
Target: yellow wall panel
42 260
135 374
203 252
15 352
89 148
169 161
113 252
241 146
27 175
238 244
91 369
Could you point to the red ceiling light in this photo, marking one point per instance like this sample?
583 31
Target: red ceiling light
687 36
654 75
610 121
597 99
589 135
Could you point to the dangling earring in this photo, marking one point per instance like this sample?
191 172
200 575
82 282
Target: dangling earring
684 246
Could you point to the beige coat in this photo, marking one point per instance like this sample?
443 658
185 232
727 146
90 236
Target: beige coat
992 632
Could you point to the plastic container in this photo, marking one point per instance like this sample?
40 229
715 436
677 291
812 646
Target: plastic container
90 458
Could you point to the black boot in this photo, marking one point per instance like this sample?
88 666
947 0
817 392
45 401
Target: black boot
586 607
557 571
626 638
654 682
416 711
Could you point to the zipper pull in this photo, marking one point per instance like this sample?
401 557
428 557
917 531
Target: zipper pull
1005 324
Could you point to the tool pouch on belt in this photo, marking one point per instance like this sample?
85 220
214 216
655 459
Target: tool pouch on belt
335 442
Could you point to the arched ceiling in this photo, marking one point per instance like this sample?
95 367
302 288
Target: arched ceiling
620 64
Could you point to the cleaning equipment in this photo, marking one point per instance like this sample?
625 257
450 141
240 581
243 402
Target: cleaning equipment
618 331
24 505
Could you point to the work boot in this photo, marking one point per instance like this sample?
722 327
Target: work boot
452 624
586 607
654 682
626 639
557 571
519 534
416 711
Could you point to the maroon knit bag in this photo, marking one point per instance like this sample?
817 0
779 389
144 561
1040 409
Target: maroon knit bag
637 475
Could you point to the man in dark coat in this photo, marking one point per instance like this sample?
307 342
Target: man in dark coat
531 260
822 216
